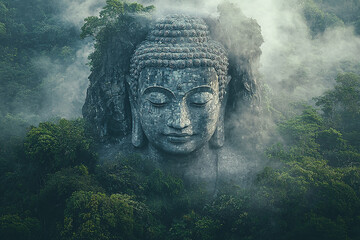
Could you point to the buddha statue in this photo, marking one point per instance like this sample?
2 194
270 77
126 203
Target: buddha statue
178 87
173 97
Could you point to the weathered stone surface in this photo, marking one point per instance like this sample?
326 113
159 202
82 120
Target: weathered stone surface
172 90
107 105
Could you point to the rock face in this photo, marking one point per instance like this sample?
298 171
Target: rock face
107 105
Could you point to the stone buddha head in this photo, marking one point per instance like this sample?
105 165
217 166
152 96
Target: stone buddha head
166 84
178 87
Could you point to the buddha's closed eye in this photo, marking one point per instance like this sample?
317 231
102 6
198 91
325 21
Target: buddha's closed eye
157 99
200 99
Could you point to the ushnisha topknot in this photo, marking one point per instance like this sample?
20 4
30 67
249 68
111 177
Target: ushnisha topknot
178 42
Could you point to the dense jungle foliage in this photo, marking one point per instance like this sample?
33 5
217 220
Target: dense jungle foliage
52 185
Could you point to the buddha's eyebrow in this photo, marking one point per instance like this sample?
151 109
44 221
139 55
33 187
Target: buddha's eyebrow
203 88
158 89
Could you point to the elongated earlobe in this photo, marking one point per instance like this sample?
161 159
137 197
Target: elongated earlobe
137 136
218 139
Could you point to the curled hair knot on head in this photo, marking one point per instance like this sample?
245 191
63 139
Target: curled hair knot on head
179 42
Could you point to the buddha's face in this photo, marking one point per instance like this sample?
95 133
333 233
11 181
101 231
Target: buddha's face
178 108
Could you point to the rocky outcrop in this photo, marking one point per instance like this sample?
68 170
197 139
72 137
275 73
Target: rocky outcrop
107 107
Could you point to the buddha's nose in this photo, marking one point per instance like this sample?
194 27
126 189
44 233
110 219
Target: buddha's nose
179 118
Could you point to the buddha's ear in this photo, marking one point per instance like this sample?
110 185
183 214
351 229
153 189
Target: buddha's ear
137 134
218 139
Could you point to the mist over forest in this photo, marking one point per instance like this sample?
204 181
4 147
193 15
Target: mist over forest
306 139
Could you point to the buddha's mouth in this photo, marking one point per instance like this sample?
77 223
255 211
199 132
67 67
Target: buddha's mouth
178 137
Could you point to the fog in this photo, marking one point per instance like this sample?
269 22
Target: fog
289 51
65 83
293 63
75 11
64 86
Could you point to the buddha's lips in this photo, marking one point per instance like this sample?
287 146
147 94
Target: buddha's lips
178 134
178 137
